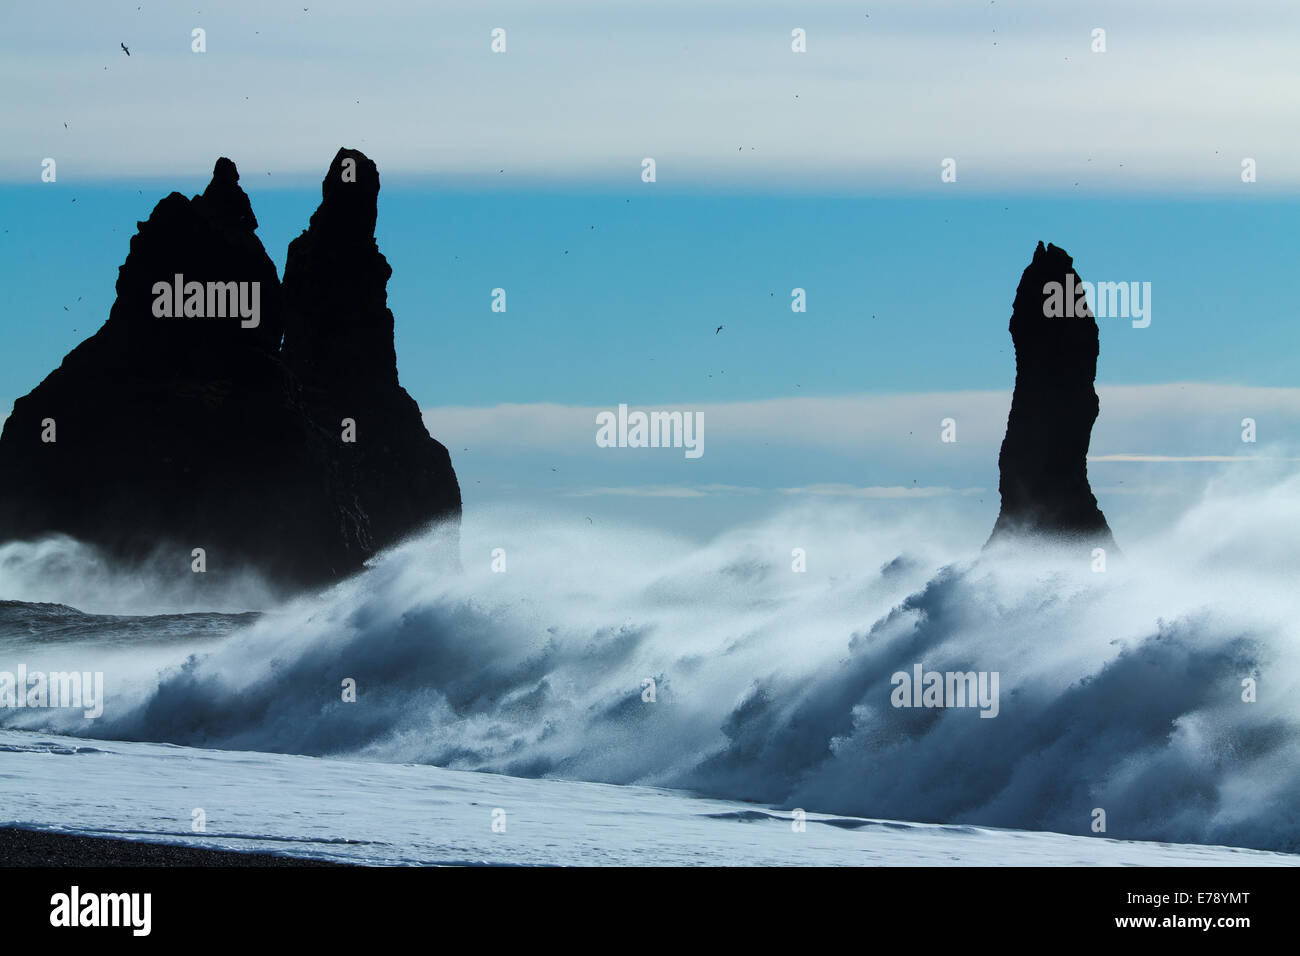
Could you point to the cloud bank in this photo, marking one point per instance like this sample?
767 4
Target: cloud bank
713 92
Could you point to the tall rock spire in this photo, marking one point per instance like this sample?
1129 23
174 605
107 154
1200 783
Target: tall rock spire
1043 462
339 344
339 335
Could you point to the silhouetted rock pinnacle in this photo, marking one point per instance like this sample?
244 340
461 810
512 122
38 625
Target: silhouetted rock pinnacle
338 342
179 424
1043 462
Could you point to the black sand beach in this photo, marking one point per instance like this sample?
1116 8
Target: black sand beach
20 847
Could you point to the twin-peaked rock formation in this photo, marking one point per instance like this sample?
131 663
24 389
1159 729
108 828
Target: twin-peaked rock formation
1043 463
215 408
208 411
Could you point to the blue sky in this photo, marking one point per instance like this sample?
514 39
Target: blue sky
615 295
908 302
775 170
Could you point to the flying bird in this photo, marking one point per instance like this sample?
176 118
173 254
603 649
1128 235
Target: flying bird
124 49
718 329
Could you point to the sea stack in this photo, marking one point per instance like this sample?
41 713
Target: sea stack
338 343
179 425
1043 463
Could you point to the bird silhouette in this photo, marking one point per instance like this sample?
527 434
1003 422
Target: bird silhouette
718 329
124 49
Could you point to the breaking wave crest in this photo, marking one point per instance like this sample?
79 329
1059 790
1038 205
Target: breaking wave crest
1120 690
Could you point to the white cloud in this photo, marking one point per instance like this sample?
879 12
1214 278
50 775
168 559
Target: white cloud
878 492
711 90
1220 458
663 491
1175 422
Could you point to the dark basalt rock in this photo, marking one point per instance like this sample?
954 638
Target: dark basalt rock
1043 462
338 342
174 433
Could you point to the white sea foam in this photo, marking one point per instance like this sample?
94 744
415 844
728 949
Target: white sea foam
1119 690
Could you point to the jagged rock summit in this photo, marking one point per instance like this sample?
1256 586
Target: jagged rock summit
1043 462
183 423
338 343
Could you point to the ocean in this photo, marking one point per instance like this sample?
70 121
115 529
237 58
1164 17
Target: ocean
623 695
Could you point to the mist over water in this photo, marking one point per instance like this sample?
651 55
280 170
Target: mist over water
59 570
1119 690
